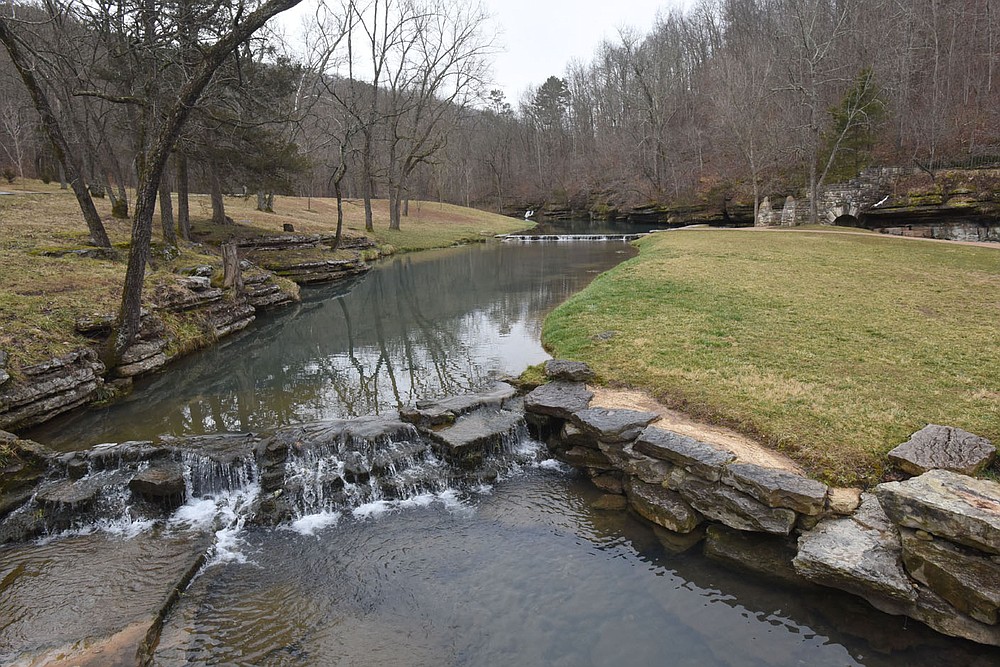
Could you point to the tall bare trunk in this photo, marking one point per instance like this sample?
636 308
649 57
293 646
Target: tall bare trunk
60 146
183 210
167 214
218 203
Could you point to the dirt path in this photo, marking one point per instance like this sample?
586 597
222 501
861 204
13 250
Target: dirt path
747 450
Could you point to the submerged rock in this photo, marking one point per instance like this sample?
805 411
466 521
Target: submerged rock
962 509
610 502
937 447
678 543
765 555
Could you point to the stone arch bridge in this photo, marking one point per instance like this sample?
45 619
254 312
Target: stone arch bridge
839 204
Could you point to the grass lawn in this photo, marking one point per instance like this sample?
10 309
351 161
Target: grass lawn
832 348
41 297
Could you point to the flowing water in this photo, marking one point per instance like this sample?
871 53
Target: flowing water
424 567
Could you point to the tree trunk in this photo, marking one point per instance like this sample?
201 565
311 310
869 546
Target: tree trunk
98 235
218 203
62 177
167 214
340 213
232 273
406 207
183 212
129 314
265 201
395 204
119 206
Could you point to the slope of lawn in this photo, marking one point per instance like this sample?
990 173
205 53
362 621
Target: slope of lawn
830 347
41 296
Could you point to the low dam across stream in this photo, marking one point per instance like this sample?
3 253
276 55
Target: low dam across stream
302 495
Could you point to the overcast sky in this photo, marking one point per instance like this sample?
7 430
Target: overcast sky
540 37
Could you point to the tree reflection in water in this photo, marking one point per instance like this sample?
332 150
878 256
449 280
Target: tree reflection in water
420 325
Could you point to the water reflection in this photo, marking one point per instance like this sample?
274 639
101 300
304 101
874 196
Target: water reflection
417 326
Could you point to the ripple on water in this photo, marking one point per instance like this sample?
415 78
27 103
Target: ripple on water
533 576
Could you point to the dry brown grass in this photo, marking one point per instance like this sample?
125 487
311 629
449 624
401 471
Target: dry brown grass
41 297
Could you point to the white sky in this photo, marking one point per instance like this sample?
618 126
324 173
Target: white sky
540 37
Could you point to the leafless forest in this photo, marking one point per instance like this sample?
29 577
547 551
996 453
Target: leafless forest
393 98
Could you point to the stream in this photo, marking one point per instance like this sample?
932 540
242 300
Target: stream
513 568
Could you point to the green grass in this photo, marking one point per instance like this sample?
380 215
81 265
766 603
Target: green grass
832 348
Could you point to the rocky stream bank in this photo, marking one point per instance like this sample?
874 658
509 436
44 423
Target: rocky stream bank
191 313
926 547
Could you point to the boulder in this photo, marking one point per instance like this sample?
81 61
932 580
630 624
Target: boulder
843 501
678 543
937 447
571 434
613 425
568 371
70 494
646 468
966 579
777 488
661 506
610 502
609 483
859 554
765 555
162 481
558 399
698 457
956 507
4 375
585 457
735 509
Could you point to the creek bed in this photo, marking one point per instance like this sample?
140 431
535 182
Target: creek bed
517 570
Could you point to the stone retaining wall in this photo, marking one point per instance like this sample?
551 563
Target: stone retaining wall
927 548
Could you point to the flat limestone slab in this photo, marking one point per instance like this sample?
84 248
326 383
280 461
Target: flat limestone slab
936 447
735 509
860 555
777 488
967 579
661 506
610 425
956 507
702 459
558 399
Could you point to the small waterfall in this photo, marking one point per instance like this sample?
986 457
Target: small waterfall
572 238
305 476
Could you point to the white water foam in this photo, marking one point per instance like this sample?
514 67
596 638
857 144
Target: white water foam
450 498
309 524
553 464
224 513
